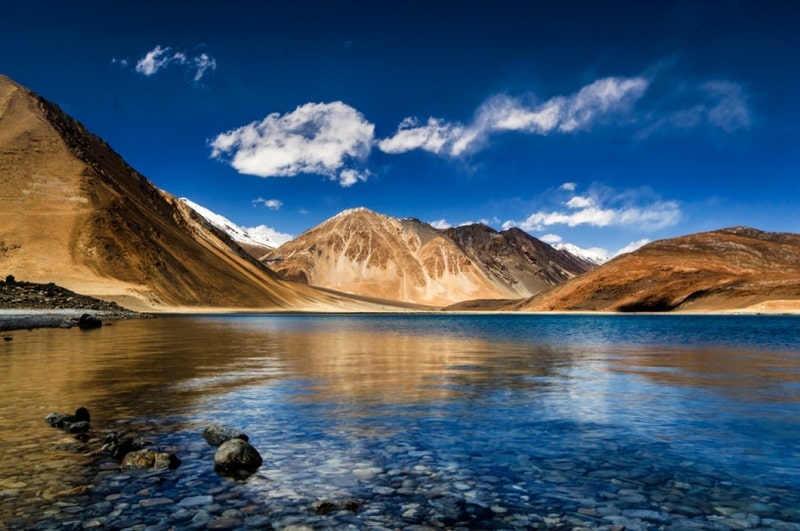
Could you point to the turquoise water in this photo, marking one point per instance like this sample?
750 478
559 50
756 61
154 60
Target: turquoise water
440 421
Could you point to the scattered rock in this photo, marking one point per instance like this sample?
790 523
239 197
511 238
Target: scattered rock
236 457
118 448
78 427
147 458
216 435
58 420
77 423
328 506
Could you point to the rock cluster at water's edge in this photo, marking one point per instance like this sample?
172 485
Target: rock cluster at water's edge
148 458
235 456
77 423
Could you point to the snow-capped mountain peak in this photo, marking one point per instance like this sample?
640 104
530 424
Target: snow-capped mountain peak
260 236
594 255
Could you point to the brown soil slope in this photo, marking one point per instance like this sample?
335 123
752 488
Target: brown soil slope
370 254
73 212
728 269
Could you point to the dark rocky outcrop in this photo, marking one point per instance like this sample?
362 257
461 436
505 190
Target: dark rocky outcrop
32 298
216 435
16 294
237 458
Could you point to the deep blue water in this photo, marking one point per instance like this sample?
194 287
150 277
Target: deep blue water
439 420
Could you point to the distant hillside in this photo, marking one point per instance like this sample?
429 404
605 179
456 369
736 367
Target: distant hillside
367 253
73 212
735 268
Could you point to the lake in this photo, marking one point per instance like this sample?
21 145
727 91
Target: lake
412 422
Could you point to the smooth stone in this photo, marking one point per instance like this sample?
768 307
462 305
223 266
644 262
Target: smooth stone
237 457
196 501
180 515
153 502
201 518
224 523
649 515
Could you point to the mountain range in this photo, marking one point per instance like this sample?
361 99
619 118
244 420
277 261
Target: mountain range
73 212
366 253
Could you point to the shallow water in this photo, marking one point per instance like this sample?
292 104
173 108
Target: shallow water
370 422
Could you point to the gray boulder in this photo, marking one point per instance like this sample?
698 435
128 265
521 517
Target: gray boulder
236 457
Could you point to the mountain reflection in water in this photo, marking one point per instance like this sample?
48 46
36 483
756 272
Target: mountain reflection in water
508 408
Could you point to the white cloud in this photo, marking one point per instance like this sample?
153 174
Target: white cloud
551 238
319 138
569 187
433 136
440 224
632 246
272 204
153 61
580 201
348 177
159 58
268 233
602 99
601 210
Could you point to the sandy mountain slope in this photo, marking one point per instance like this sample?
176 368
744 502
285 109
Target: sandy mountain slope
728 269
366 253
74 213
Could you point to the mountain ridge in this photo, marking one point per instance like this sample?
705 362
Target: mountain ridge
735 268
365 252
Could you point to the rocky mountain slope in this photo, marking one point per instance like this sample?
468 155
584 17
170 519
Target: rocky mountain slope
73 212
734 268
367 253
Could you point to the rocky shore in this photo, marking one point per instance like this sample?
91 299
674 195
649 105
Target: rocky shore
26 305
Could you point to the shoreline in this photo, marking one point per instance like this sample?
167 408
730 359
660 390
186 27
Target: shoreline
33 318
30 319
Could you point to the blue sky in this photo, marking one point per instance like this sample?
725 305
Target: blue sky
601 124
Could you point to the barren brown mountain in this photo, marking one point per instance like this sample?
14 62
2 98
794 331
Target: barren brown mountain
366 253
728 269
74 213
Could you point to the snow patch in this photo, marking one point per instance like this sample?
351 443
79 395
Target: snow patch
596 255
